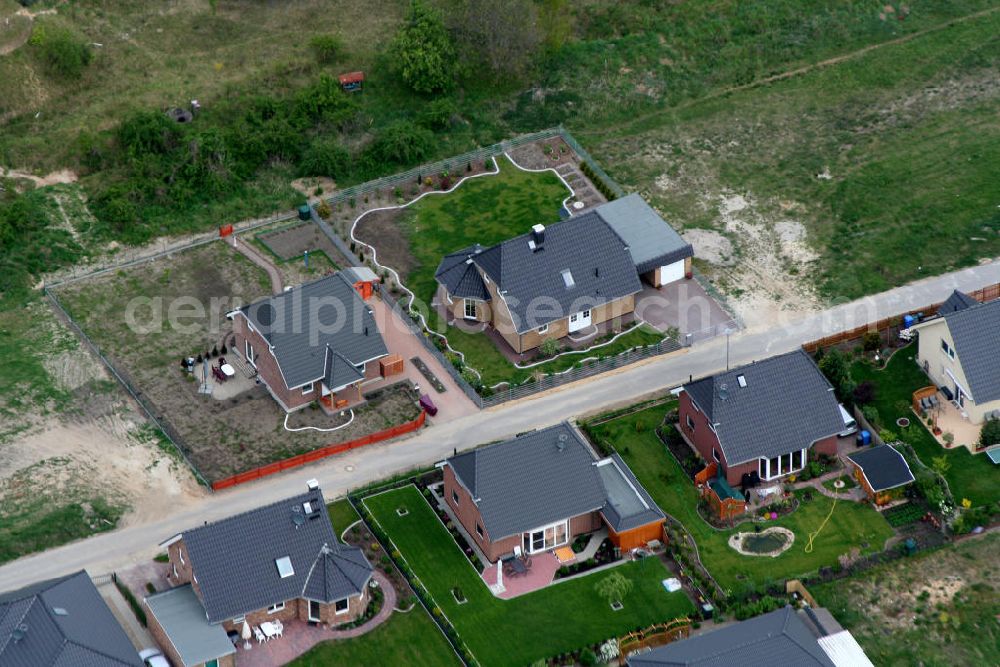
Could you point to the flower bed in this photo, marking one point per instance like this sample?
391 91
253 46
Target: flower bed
605 555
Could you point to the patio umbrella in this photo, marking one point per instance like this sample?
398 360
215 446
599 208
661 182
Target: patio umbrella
246 636
499 574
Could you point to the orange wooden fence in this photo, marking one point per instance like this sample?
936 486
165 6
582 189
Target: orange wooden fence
988 293
317 454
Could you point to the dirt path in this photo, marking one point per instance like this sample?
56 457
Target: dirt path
251 253
56 177
624 129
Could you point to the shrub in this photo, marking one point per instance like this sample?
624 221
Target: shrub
325 158
399 144
549 347
327 49
990 435
864 393
323 210
871 341
161 558
133 603
438 115
587 658
871 414
63 52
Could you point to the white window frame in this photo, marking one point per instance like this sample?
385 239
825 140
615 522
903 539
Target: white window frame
180 554
347 607
308 388
765 465
715 455
276 607
454 496
309 616
689 422
475 309
250 354
175 570
543 329
529 543
239 619
479 529
586 313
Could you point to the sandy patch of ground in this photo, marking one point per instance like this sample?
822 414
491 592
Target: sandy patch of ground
764 261
308 186
56 177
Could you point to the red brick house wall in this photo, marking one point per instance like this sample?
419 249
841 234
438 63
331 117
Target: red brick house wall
267 367
468 515
827 446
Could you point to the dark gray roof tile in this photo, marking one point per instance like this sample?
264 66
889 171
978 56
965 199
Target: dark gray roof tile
546 476
302 322
883 466
87 635
778 638
235 558
976 333
787 404
458 273
650 240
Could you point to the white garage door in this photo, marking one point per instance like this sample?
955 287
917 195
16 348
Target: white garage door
671 272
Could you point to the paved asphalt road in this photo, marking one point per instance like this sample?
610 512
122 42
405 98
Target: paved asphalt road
120 548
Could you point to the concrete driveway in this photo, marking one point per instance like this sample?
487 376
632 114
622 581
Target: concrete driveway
683 304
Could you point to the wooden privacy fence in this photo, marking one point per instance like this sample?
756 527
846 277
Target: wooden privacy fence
318 454
988 293
651 637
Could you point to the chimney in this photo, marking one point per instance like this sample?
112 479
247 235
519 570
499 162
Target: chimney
313 484
537 237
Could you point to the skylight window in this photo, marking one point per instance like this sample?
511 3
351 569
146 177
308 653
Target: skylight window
567 277
742 380
284 567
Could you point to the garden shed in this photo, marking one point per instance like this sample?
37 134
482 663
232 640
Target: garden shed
880 470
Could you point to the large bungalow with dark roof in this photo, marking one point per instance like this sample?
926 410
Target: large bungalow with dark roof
761 420
314 342
62 622
540 490
278 562
563 279
781 638
958 351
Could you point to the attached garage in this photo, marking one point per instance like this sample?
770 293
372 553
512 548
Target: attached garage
659 253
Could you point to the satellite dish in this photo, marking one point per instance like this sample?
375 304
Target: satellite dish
298 519
265 314
724 392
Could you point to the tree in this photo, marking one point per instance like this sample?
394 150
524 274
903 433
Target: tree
990 435
63 52
503 33
614 587
837 369
864 393
549 347
424 51
326 48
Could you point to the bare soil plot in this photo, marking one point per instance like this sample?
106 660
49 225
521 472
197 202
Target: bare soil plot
938 608
220 437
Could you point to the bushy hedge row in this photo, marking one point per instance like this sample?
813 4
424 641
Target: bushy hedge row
135 605
602 185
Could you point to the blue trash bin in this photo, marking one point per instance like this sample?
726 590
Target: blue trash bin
908 321
866 438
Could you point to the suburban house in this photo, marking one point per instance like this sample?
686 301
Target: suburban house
958 351
541 489
566 278
879 470
61 622
759 421
278 562
314 342
782 638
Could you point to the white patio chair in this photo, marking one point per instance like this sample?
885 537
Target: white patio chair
278 628
259 634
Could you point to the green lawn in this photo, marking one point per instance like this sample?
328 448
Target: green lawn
851 525
484 210
405 639
342 515
560 618
969 475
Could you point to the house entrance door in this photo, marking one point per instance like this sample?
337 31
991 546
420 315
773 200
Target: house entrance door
314 611
579 320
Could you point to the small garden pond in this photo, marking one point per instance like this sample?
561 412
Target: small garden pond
770 542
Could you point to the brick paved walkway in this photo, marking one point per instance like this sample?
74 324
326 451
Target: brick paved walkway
299 637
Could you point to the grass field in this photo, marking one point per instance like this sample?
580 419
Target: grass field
969 475
851 525
937 609
557 619
342 515
886 162
404 639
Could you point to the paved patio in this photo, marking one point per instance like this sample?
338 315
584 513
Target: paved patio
299 637
542 572
950 419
